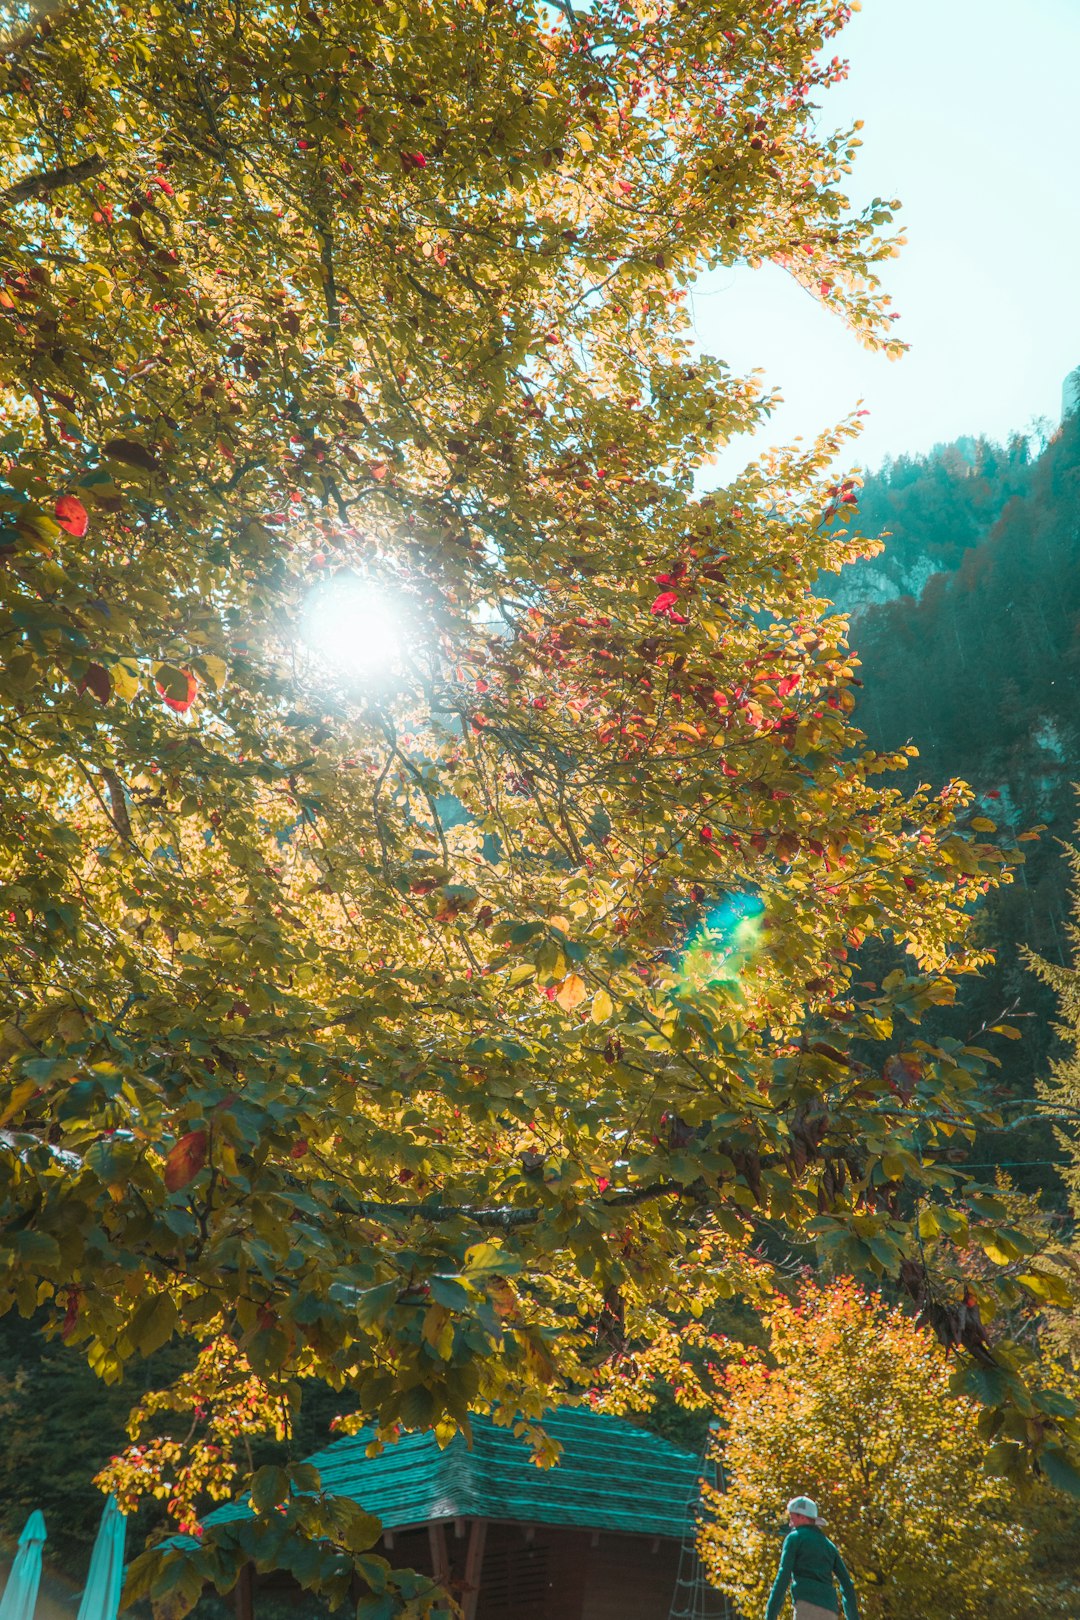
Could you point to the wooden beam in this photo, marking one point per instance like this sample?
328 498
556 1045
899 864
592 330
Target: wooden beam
388 1540
245 1593
474 1565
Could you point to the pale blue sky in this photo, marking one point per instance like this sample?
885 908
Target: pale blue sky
972 117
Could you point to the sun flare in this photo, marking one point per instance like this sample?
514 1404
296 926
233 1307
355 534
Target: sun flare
355 628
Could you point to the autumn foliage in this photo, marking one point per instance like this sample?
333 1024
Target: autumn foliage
346 1022
851 1404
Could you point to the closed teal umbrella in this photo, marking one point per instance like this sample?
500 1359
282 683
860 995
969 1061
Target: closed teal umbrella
101 1595
20 1593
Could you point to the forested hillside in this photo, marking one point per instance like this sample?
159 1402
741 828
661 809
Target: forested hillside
980 671
934 508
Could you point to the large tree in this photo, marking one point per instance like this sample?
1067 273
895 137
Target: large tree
436 851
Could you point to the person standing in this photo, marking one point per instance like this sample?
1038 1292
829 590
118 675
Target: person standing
811 1566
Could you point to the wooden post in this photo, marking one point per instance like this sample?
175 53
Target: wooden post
474 1565
440 1560
245 1593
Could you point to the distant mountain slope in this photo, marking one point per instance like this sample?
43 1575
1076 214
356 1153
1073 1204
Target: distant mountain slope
982 673
933 508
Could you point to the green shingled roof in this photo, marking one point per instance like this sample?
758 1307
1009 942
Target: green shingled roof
612 1476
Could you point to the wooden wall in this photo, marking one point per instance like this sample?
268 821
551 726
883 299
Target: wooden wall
546 1573
629 1580
534 1572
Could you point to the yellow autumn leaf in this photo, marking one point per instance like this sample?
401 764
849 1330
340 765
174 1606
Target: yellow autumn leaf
216 670
227 1159
983 824
125 679
602 1007
18 1096
571 992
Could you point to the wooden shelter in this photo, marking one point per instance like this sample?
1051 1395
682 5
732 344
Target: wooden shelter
607 1534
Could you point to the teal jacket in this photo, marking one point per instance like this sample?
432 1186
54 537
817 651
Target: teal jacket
810 1564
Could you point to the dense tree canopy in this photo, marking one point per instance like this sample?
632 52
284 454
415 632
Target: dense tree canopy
434 1028
1061 1087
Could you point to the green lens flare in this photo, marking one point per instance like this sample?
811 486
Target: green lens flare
725 944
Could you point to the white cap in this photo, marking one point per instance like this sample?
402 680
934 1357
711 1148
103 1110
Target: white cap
803 1505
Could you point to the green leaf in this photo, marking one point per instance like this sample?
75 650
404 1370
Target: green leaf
377 1608
153 1324
375 1302
269 1488
304 1478
36 1249
359 1531
1062 1470
450 1292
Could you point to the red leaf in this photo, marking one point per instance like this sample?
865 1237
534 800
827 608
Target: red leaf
377 469
178 692
71 1315
72 516
788 684
133 454
96 680
186 1158
665 602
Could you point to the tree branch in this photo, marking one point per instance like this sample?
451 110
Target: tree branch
326 256
49 180
506 1216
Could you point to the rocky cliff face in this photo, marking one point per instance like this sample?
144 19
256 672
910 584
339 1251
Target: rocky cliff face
881 579
931 511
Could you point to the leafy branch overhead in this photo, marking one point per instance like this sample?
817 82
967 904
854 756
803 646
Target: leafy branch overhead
441 1034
